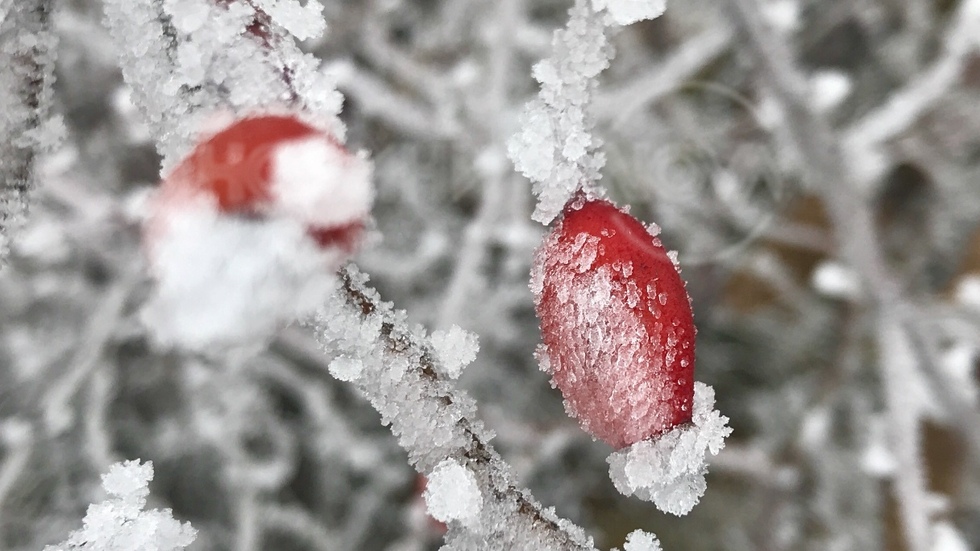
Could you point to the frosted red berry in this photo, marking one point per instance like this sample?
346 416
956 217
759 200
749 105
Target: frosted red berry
235 165
241 170
616 324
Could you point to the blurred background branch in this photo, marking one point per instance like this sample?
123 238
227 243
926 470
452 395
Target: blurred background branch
814 162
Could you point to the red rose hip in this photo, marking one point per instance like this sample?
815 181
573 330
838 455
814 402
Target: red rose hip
616 324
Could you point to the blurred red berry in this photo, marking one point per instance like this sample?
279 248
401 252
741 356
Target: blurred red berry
276 165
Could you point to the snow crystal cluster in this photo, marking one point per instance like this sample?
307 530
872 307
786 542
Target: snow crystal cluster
121 524
302 21
555 147
627 12
638 540
455 348
452 493
194 60
669 470
223 280
319 183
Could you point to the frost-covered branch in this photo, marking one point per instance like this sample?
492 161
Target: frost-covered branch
692 56
190 64
397 370
27 50
906 105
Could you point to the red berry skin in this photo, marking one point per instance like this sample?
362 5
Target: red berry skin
616 324
234 166
233 169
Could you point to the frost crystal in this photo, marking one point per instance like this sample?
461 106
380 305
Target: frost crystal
320 183
121 524
223 280
176 79
346 369
669 470
455 349
626 12
555 148
303 22
638 540
452 493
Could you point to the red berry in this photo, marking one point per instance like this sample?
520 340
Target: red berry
235 165
275 165
616 324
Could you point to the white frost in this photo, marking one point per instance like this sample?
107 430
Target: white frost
121 524
454 349
555 147
319 183
948 538
627 12
638 540
836 281
346 369
302 21
452 493
669 470
223 280
172 76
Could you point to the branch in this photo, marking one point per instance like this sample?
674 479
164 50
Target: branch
619 104
907 104
433 420
27 49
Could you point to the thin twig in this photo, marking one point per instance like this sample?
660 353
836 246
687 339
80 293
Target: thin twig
27 74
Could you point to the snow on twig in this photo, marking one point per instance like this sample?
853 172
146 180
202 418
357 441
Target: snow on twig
396 370
120 523
27 50
189 61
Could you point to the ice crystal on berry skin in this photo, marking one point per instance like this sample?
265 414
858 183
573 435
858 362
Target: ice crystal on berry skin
617 329
669 470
